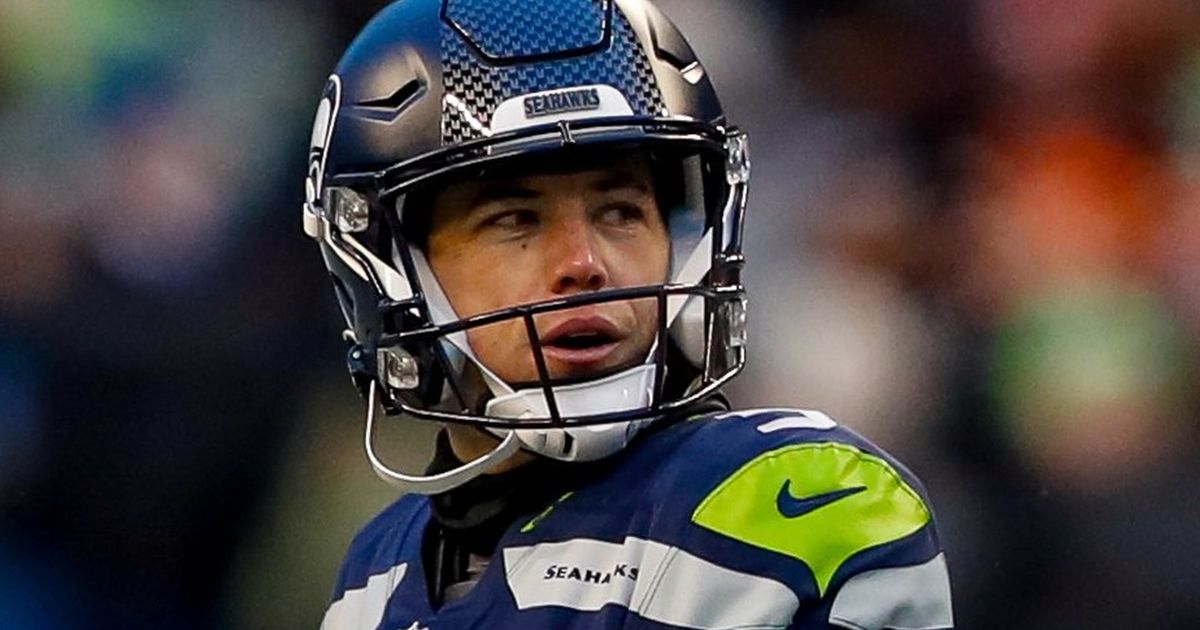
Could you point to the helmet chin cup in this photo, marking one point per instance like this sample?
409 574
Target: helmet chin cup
441 482
630 389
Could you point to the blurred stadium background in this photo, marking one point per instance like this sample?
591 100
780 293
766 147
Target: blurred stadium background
975 237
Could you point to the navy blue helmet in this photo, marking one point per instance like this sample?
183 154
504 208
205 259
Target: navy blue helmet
434 91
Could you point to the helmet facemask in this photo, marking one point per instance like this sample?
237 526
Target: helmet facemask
689 224
416 358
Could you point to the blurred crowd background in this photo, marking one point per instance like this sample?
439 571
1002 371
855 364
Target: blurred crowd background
974 237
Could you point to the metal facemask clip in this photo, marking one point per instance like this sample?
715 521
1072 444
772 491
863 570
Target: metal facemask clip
737 158
398 369
348 209
733 312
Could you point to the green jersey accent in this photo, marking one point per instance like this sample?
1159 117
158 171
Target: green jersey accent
533 522
818 503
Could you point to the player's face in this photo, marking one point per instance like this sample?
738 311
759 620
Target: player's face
496 243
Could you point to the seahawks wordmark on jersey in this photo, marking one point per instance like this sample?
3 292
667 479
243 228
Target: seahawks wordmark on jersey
745 520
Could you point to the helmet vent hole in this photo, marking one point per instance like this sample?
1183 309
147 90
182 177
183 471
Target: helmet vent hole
400 99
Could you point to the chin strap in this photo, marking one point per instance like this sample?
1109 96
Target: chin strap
441 482
624 391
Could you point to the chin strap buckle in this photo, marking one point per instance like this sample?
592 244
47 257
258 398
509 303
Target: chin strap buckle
362 371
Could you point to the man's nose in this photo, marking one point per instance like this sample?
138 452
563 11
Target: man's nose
578 264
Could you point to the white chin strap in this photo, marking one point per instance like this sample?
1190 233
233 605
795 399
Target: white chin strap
632 388
441 482
623 391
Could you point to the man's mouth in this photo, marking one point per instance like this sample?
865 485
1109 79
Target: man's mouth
581 341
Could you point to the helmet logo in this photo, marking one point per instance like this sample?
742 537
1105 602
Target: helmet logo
579 100
551 106
327 111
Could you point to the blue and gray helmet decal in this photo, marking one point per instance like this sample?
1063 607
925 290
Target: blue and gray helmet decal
322 134
496 50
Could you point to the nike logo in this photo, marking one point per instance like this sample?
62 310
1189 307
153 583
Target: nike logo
793 507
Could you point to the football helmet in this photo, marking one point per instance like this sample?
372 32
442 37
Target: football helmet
434 91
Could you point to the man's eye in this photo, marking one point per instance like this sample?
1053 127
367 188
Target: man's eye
511 219
622 214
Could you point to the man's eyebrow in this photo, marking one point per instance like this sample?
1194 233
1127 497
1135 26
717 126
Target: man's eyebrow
492 192
621 180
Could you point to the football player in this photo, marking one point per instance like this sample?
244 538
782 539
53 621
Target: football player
531 211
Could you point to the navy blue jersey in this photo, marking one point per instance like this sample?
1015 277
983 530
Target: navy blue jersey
743 520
